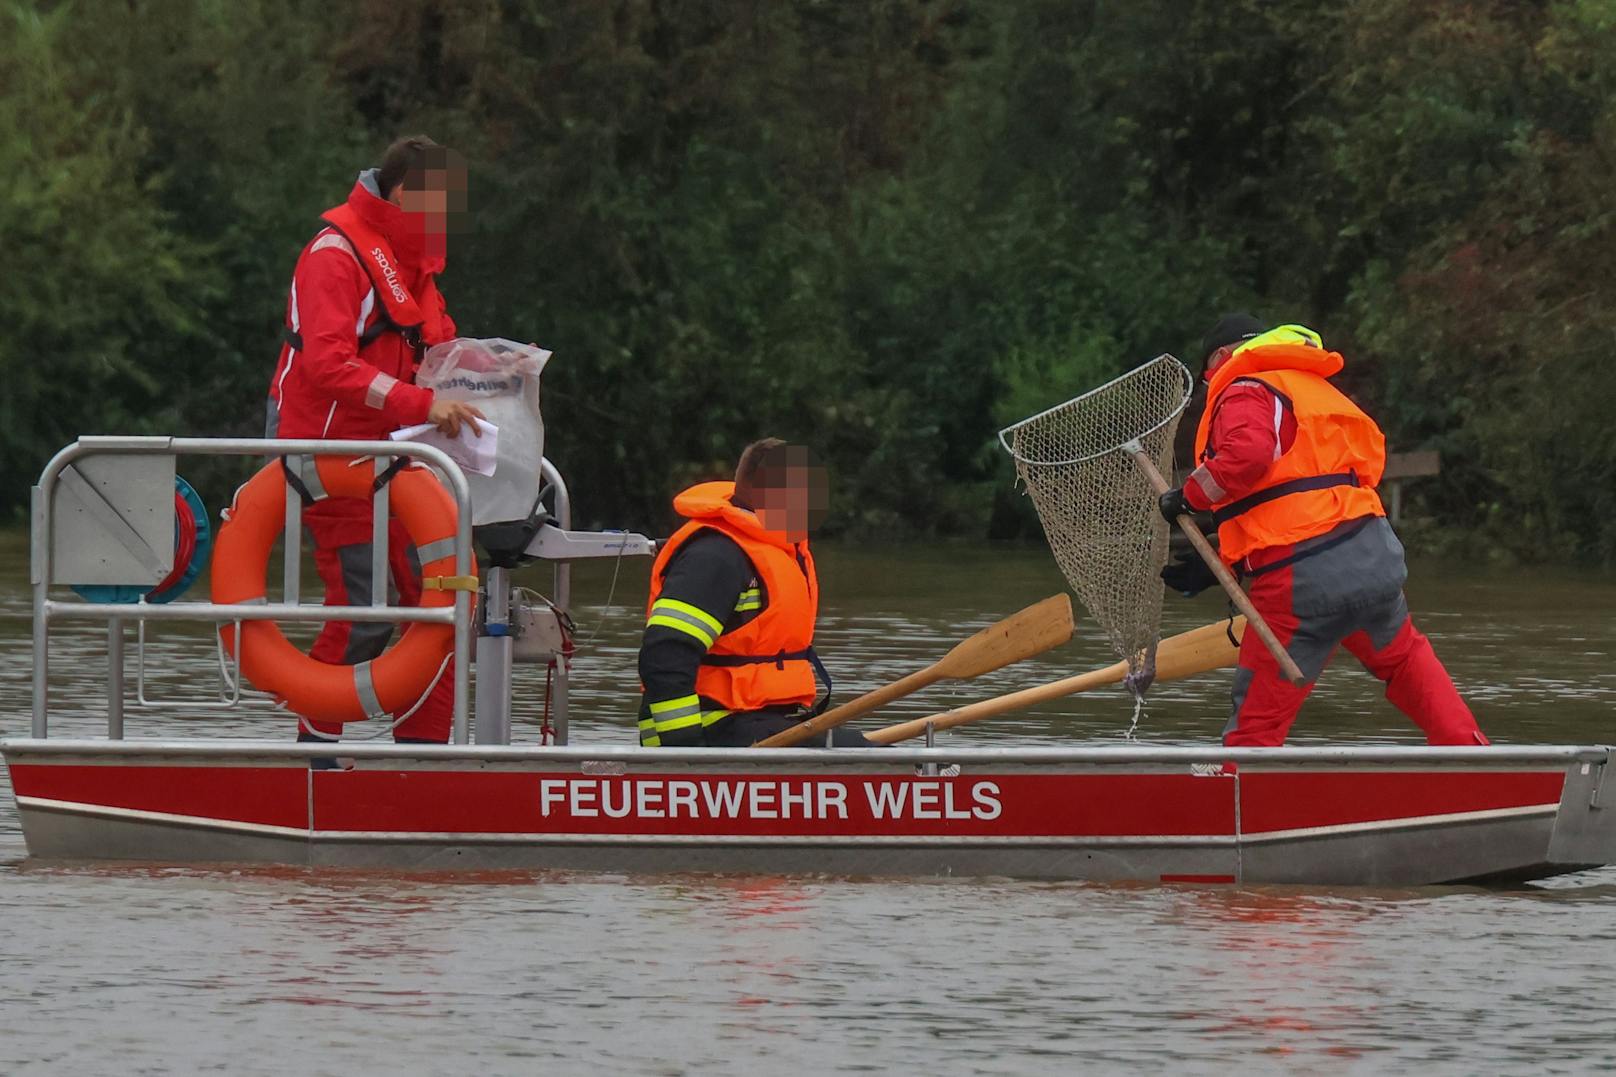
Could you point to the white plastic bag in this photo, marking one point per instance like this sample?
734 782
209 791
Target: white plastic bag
501 377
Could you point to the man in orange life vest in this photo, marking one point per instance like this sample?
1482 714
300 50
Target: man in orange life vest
727 658
363 308
1288 466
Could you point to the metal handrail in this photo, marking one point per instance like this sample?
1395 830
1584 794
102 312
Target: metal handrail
561 684
258 611
43 503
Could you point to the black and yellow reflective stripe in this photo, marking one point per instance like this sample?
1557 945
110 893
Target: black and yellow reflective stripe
648 734
683 617
750 599
673 714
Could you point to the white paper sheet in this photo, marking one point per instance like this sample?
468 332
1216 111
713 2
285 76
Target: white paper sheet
473 452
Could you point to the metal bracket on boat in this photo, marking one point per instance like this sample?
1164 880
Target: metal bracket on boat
113 521
1605 770
230 693
1584 830
553 543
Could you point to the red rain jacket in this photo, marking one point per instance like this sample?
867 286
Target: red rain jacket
363 307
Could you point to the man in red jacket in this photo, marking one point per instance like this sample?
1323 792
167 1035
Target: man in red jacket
1288 466
363 308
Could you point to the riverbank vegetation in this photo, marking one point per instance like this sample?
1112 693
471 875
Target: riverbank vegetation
885 228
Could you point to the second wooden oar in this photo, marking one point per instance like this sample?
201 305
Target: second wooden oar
1197 651
1032 631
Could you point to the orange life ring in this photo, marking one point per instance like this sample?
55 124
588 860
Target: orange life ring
319 690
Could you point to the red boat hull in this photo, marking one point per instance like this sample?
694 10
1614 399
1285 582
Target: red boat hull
1393 817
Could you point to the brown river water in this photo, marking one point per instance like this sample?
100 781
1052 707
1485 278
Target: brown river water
162 968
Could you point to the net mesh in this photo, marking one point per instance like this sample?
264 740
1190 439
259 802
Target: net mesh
1098 508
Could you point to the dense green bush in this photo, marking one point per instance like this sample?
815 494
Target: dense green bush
886 228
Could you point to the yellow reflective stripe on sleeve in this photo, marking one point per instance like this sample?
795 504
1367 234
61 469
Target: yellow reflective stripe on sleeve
683 617
702 617
672 714
750 599
682 625
684 721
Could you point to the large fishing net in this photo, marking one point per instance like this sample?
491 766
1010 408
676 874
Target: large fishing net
1096 504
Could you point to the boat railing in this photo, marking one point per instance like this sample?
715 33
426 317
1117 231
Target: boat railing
134 492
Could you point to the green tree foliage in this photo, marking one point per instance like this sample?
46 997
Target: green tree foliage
886 228
94 269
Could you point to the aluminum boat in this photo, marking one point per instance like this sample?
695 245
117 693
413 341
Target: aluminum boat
1348 815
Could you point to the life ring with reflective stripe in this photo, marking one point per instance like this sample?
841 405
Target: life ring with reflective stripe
317 690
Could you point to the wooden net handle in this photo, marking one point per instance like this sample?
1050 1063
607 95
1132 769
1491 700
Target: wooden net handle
1287 665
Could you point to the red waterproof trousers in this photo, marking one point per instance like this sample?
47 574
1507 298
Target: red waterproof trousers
1381 635
345 570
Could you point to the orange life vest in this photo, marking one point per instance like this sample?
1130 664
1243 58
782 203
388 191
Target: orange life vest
765 662
1328 475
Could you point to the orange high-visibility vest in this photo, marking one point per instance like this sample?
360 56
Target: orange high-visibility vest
1329 474
765 662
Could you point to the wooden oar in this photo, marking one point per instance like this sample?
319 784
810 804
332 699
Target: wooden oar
1032 631
1287 665
1184 655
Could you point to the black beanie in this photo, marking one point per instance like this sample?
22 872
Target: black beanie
1231 329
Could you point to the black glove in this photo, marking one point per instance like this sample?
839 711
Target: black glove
1173 505
1188 574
